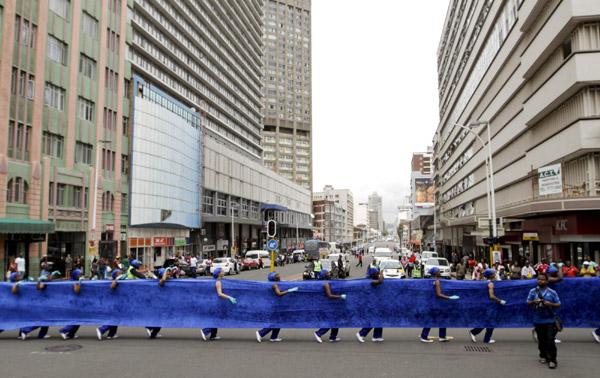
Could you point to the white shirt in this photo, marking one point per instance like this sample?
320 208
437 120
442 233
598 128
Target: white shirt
193 262
20 264
525 271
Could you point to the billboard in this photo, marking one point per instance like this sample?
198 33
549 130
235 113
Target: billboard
424 196
550 180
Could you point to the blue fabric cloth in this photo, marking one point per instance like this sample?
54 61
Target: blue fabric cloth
488 273
434 270
322 274
370 271
75 274
551 270
194 304
216 272
271 276
13 276
544 315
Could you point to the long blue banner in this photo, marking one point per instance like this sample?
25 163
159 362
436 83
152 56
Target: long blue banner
195 304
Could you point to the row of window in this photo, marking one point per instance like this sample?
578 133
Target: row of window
25 32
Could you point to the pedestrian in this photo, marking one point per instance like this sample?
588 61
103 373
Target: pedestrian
544 300
217 275
274 277
42 334
125 262
193 265
542 266
376 279
515 271
12 267
490 276
324 275
260 263
554 275
593 264
477 272
587 270
20 261
94 268
112 329
69 332
359 260
528 271
164 274
461 270
68 265
569 270
435 274
417 270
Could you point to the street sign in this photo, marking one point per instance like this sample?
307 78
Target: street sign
272 245
530 236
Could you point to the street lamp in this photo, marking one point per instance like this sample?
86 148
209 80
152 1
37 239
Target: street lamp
95 208
233 207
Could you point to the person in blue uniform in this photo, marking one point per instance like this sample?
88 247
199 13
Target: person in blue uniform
376 278
435 274
273 277
212 332
69 332
43 333
545 303
111 329
490 276
325 275
164 274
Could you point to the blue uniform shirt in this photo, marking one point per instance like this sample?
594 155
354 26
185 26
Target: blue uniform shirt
543 315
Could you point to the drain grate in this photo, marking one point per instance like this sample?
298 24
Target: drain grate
478 349
63 348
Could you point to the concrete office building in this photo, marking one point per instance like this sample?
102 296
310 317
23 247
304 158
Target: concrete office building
203 59
62 83
376 205
422 198
529 68
345 199
329 220
288 89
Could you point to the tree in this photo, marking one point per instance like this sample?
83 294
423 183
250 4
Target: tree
400 231
384 233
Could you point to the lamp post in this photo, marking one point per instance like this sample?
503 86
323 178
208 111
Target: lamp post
95 207
231 249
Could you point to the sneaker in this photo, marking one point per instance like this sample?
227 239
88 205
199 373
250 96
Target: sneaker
426 340
490 342
113 337
74 337
360 338
216 338
377 340
596 337
275 340
23 336
63 335
149 332
335 340
316 337
557 341
473 338
98 333
443 339
258 338
534 334
203 335
158 336
552 365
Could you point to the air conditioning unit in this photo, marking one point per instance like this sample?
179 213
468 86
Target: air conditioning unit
202 232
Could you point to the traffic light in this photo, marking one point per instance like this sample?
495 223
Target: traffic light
271 228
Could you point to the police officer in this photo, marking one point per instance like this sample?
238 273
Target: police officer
132 272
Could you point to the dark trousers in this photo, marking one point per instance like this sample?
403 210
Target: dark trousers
211 331
70 330
377 333
112 330
545 333
332 335
274 332
488 333
193 272
359 263
425 333
153 331
41 334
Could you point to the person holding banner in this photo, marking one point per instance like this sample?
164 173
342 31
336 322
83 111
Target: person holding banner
274 277
377 279
490 275
435 274
69 332
217 275
325 275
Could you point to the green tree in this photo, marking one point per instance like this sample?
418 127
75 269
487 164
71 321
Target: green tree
384 233
400 231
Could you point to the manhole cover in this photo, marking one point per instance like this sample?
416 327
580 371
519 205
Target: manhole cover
63 348
478 349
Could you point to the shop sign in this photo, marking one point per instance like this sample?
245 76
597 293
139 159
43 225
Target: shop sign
123 236
159 241
109 228
550 180
180 242
530 236
208 248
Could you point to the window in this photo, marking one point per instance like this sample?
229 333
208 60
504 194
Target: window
56 50
54 97
83 153
124 203
125 121
13 80
108 160
112 40
21 83
114 5
85 109
89 25
19 140
52 144
111 79
107 201
77 197
30 87
60 194
60 7
207 202
87 67
17 190
110 119
124 164
221 204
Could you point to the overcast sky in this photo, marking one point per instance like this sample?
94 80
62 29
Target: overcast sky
375 98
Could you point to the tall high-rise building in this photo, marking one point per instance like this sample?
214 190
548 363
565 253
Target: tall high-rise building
63 130
288 89
376 205
422 196
524 74
345 199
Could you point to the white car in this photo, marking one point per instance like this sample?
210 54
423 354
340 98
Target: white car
426 256
227 264
382 253
391 269
439 262
258 254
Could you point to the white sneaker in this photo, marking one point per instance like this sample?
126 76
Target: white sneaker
596 337
46 337
426 340
377 340
335 340
203 335
216 338
443 339
275 340
63 335
557 341
98 333
158 336
149 332
360 338
258 338
23 336
473 338
316 337
534 334
113 337
75 337
491 342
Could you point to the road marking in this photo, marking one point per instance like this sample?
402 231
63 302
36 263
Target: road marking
295 277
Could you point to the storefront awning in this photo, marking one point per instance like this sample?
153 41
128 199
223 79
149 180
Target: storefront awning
268 206
25 226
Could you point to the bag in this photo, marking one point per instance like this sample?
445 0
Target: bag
558 323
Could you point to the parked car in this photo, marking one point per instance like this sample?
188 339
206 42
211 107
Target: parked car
202 267
298 255
227 264
248 264
391 269
382 253
426 256
264 255
441 263
330 266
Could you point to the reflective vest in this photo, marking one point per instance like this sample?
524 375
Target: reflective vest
317 266
130 275
373 265
417 272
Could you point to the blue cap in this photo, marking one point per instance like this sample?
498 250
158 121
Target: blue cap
136 263
216 272
75 275
488 273
161 271
322 274
434 270
13 276
115 273
551 270
271 276
561 265
370 272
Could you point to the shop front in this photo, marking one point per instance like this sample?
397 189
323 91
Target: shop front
154 246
